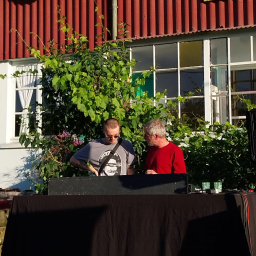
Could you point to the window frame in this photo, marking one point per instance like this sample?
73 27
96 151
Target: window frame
208 111
37 88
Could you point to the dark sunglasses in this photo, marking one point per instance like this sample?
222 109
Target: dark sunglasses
111 136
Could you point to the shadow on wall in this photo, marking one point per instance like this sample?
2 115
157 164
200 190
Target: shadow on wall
26 174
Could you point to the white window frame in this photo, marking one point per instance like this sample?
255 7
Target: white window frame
206 38
178 70
36 88
8 90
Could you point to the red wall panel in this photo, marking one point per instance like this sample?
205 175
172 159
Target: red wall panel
1 29
20 26
40 17
152 18
146 18
171 17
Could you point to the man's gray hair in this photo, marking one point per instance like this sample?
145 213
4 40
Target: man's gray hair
154 127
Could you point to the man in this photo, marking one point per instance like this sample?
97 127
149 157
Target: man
95 153
163 157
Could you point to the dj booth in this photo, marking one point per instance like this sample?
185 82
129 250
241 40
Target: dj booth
136 223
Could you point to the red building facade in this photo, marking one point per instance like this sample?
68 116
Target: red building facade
207 47
146 19
199 46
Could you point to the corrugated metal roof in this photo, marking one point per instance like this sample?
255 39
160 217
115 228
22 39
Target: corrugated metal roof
156 18
40 17
146 19
192 32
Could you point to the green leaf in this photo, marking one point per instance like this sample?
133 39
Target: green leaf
103 105
114 69
106 115
54 64
115 102
55 82
77 78
35 52
134 123
71 147
69 77
64 29
181 99
124 70
47 62
117 85
22 138
126 131
98 101
91 114
27 142
3 76
120 112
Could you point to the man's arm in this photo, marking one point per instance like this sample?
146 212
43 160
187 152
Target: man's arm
151 172
131 158
130 170
83 165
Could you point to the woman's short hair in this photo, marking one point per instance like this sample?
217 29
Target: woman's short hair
154 127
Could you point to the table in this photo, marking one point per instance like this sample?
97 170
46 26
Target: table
130 225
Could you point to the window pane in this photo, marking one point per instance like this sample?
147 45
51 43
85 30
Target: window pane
192 80
167 81
26 121
220 109
242 80
24 96
33 101
254 48
242 75
219 51
27 80
193 108
239 122
238 107
48 128
44 97
148 87
166 56
219 92
219 80
174 108
17 125
18 107
240 49
144 56
191 54
32 123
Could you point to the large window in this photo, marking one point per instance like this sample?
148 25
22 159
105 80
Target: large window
220 72
27 93
178 70
233 76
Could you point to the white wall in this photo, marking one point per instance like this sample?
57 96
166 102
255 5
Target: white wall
15 160
7 103
15 168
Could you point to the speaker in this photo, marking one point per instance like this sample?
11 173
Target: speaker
251 128
119 185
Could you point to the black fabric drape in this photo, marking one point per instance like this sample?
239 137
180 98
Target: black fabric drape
130 225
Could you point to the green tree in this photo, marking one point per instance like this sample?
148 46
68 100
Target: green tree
81 89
